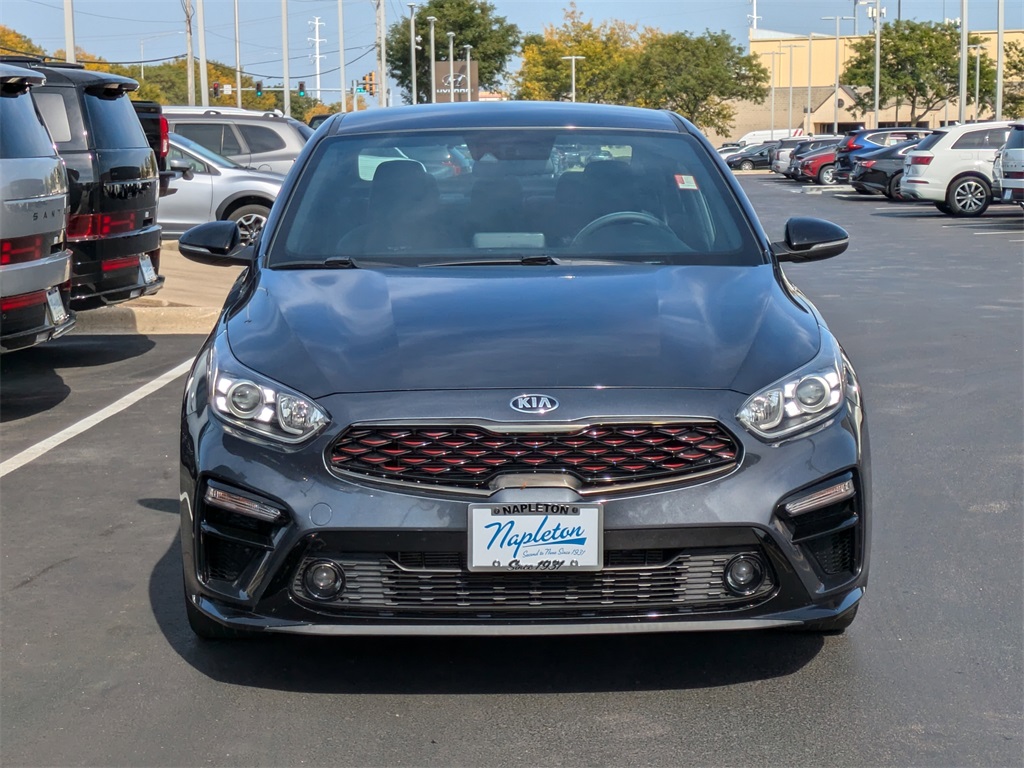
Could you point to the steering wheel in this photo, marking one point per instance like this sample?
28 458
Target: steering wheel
621 217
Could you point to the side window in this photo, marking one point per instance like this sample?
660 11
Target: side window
997 137
972 140
21 131
197 165
260 138
231 145
207 134
55 114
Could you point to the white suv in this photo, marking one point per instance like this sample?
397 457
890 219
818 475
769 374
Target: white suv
953 167
1010 166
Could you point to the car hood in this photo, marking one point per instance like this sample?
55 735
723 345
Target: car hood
523 327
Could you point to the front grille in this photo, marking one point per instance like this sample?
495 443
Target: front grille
598 455
684 582
834 552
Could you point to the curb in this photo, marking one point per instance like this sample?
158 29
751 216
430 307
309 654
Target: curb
148 321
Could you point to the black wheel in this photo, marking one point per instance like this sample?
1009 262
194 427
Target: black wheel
944 208
827 175
968 196
207 629
250 220
834 626
892 190
746 165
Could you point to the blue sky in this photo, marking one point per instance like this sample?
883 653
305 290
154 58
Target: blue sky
125 30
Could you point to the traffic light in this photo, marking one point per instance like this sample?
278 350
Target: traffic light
216 90
302 87
371 83
259 88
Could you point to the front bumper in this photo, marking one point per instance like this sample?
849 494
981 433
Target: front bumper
405 548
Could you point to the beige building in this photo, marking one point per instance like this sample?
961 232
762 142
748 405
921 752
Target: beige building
802 60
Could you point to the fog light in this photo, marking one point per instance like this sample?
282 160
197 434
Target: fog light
744 574
323 579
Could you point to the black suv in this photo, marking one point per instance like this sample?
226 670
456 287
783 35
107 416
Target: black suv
864 140
113 182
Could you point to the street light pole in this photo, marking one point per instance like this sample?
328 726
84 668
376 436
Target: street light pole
433 58
572 60
412 48
835 98
451 66
789 124
876 13
341 53
963 61
977 79
469 73
773 54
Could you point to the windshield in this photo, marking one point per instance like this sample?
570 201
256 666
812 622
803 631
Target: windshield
520 193
202 152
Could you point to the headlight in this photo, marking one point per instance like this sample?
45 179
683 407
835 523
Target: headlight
258 405
800 400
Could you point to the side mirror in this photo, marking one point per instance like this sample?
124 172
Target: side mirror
216 243
810 239
180 165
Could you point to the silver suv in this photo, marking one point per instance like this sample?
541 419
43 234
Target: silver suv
35 268
264 141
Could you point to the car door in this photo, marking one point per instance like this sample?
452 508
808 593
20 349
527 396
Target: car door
189 201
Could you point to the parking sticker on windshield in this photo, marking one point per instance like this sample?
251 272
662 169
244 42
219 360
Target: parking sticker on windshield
685 182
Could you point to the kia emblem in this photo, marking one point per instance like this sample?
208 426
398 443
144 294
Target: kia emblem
533 403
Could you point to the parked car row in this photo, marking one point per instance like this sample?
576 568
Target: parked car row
962 169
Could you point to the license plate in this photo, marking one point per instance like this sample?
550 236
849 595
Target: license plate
535 537
146 265
57 312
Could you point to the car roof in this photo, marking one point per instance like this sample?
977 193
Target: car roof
507 114
64 74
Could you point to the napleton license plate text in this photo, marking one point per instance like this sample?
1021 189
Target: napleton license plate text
535 537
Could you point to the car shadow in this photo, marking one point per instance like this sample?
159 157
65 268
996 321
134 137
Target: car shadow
474 665
31 382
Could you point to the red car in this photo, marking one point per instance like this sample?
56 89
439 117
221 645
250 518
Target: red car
819 166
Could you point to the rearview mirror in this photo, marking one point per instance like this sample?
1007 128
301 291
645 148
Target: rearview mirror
183 167
809 239
216 243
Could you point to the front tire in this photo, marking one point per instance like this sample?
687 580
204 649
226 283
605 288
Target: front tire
969 196
250 220
826 175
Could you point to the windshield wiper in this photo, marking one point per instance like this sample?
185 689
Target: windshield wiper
533 260
335 262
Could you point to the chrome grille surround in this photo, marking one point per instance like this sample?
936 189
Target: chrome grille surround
598 457
376 585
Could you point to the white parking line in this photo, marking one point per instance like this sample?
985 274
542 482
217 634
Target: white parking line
42 447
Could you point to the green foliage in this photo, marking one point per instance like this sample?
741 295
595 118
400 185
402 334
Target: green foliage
13 43
474 22
1013 81
694 75
697 77
920 68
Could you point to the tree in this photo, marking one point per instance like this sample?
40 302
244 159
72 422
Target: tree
13 43
600 75
920 68
714 70
474 22
1013 81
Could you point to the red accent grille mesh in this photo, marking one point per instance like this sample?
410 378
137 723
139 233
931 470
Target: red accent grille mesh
598 455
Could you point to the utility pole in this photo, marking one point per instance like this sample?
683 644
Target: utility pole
190 76
341 55
284 47
451 66
963 61
412 51
876 13
316 24
469 73
789 124
752 17
433 62
238 63
977 79
810 73
204 84
773 54
1000 24
69 31
382 55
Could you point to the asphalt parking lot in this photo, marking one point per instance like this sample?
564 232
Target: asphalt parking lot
98 666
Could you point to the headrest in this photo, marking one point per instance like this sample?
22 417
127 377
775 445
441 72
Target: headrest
395 172
608 172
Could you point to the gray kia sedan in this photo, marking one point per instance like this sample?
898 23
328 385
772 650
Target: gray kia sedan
519 400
